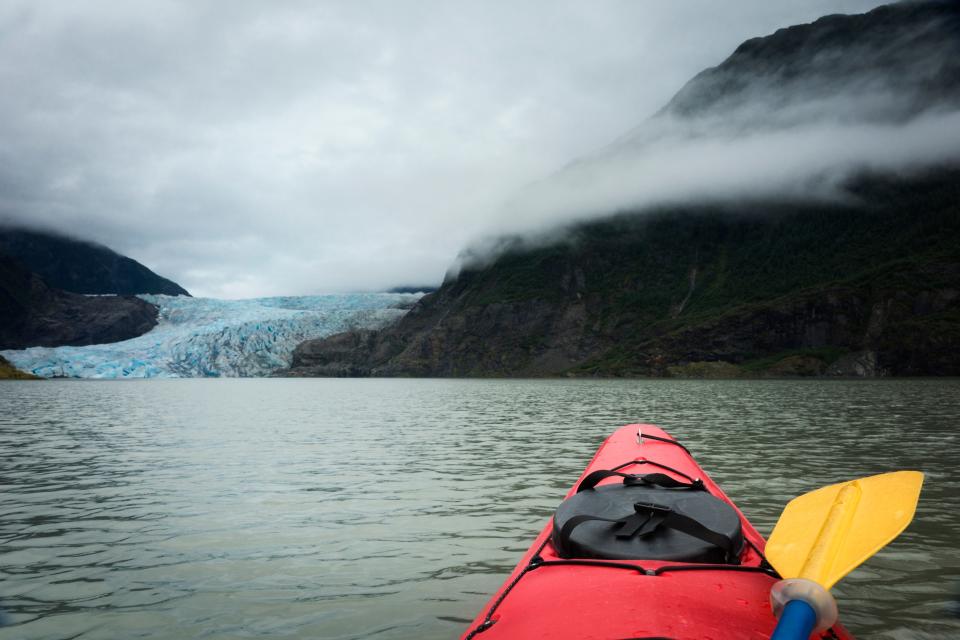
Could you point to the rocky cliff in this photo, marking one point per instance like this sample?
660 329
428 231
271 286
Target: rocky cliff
42 277
34 314
865 282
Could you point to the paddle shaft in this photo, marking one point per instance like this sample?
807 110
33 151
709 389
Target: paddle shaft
796 622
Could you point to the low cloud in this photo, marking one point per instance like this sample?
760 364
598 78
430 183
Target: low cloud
781 119
803 162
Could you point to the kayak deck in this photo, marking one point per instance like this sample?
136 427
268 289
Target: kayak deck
547 596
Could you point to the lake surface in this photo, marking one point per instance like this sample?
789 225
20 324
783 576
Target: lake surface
394 508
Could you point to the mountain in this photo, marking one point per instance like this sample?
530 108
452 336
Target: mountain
863 282
865 289
889 64
787 115
43 277
34 314
82 267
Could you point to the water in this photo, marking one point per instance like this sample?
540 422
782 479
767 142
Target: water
394 508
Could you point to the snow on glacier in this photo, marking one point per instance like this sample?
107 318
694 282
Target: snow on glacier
207 337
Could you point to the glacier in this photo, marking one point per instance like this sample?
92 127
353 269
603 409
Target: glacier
208 337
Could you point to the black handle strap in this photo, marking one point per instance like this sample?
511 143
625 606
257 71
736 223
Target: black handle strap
632 480
689 526
643 521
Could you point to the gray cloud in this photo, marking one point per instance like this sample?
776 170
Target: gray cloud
256 148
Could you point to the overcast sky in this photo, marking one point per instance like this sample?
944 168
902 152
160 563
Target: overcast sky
283 147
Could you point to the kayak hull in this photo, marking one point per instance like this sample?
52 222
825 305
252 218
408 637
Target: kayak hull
547 596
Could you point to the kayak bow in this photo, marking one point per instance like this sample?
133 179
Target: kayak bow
646 545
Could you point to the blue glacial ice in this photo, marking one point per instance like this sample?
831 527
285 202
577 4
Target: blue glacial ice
205 337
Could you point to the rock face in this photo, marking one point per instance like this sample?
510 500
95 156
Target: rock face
9 372
42 276
35 314
771 287
82 267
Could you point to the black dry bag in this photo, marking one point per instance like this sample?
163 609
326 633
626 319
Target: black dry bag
650 517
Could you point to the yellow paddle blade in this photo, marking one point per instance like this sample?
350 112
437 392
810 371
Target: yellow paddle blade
825 534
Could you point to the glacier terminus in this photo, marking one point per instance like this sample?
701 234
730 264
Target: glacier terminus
208 337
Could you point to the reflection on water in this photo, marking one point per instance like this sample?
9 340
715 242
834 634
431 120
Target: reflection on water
394 508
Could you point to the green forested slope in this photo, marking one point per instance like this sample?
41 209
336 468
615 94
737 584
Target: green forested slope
748 289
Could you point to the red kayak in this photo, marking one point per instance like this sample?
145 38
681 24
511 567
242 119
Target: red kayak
645 546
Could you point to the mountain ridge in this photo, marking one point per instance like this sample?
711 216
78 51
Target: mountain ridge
811 60
80 266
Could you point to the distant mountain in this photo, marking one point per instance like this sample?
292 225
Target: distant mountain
35 314
866 284
82 267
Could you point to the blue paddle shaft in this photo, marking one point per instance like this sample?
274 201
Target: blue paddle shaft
796 622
